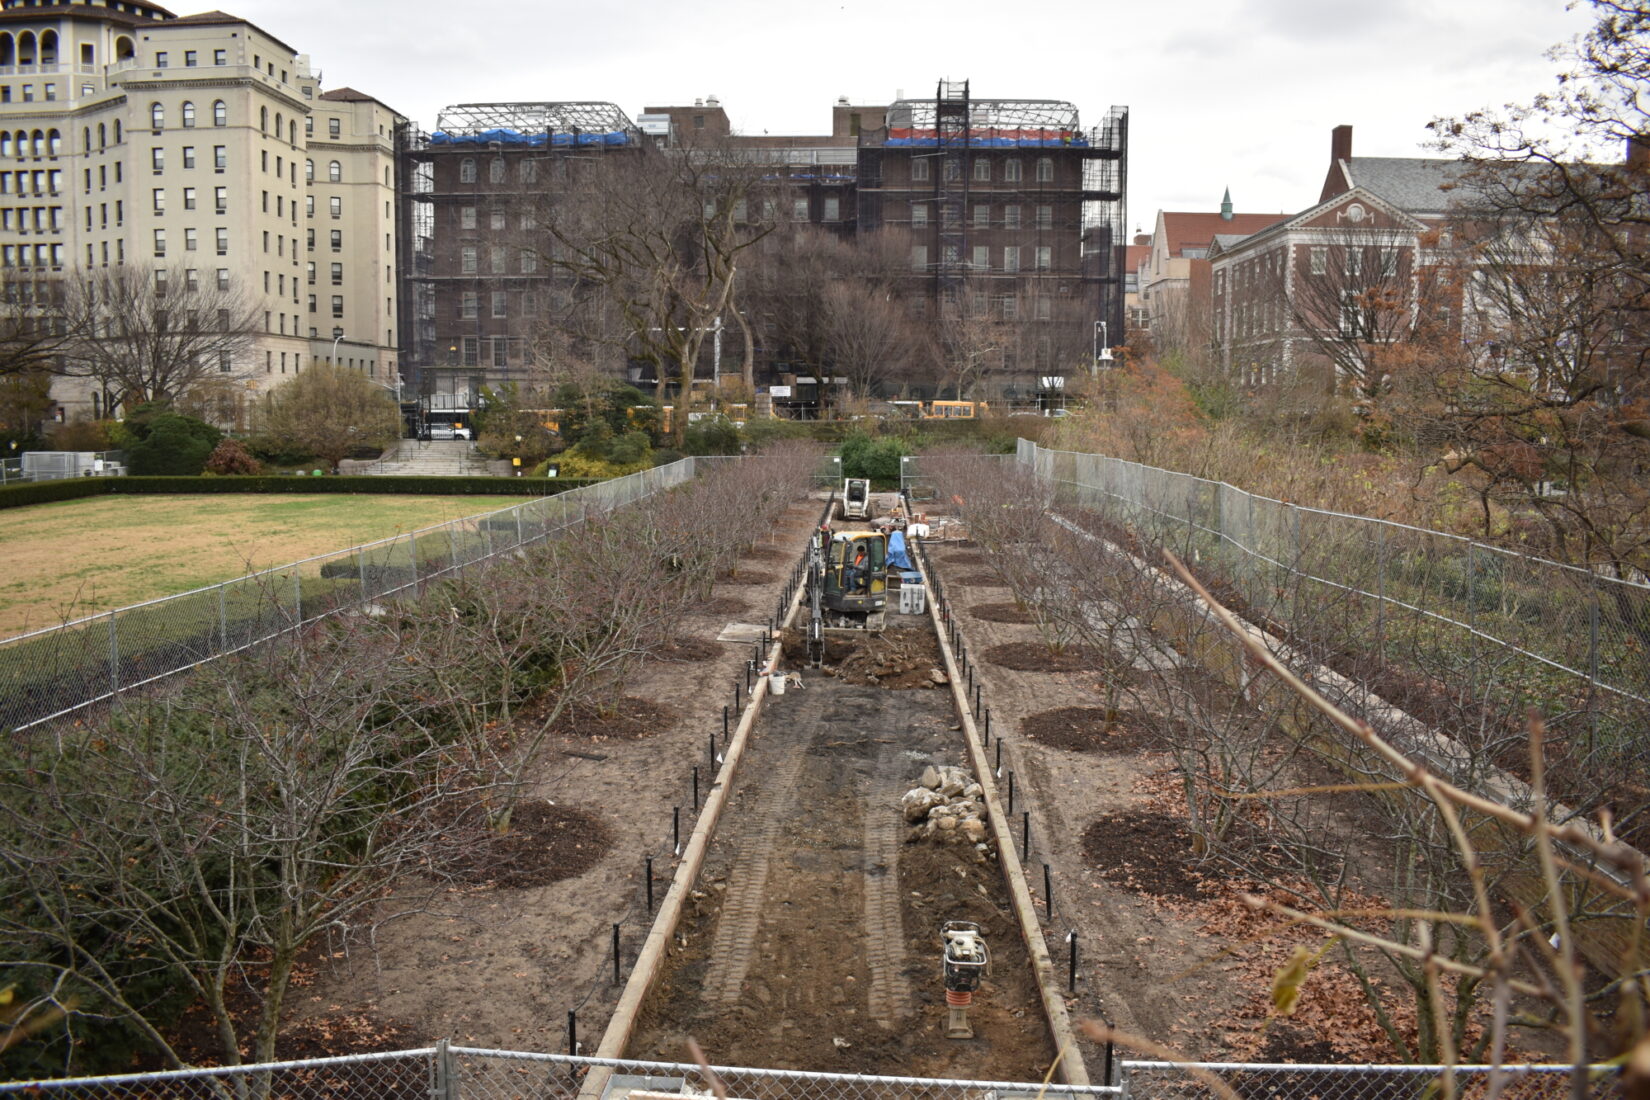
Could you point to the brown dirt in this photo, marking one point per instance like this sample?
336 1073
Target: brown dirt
546 843
898 659
752 577
1035 657
726 606
770 553
1000 613
1143 852
687 649
627 718
956 558
980 580
1088 729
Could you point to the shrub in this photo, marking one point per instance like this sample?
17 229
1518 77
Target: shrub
176 445
877 459
714 435
229 457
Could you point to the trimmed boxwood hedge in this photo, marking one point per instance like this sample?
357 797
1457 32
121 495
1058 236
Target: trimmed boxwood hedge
43 492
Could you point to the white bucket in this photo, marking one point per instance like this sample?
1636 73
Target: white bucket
776 683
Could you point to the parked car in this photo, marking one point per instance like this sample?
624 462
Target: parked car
447 431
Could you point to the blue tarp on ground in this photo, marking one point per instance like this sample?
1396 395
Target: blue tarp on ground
896 552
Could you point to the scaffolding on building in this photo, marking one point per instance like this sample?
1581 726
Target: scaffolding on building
437 341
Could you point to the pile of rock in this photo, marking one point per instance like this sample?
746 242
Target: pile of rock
947 806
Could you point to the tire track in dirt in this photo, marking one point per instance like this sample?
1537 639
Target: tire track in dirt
889 995
747 886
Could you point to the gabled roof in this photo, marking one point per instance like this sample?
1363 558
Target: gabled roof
1413 184
223 18
349 95
1228 243
1188 230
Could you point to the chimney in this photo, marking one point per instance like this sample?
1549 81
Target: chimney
1638 153
1340 145
1226 206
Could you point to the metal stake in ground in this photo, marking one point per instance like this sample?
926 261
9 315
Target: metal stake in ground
1071 938
987 735
573 1036
1010 786
1048 890
696 787
648 862
676 829
615 952
1025 842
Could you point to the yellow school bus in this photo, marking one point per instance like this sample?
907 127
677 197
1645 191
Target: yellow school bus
955 410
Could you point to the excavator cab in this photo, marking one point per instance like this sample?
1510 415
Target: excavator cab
856 584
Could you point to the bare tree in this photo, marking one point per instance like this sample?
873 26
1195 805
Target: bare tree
152 334
327 411
867 333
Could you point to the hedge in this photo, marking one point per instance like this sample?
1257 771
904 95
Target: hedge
43 492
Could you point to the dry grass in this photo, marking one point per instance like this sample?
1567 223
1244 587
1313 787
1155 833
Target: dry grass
66 560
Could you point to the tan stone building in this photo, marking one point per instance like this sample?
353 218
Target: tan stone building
135 137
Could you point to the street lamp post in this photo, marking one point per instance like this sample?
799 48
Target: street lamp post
337 335
1102 345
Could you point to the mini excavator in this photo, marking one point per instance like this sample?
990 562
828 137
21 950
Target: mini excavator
847 585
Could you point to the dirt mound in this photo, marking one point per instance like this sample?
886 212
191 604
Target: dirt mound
1144 852
1036 657
900 661
626 718
546 843
1088 729
688 649
1000 613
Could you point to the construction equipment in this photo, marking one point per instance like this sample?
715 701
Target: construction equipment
964 959
847 585
856 498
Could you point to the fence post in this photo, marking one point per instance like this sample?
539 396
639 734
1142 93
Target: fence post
223 618
418 575
446 1085
1380 601
361 571
297 597
114 656
521 536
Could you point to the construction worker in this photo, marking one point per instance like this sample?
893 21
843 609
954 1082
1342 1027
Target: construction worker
855 573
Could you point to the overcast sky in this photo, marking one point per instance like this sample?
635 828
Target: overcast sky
1238 93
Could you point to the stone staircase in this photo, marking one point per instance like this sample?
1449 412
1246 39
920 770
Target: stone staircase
434 458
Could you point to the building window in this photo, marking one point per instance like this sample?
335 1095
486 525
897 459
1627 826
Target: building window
1045 257
529 261
495 170
496 220
157 160
1011 170
919 215
337 274
799 209
309 269
919 257
468 305
335 171
224 363
189 198
1045 217
160 242
1045 170
337 236
220 57
220 114
982 258
220 199
501 303
334 127
188 110
919 167
982 216
160 60
1319 259
309 171
220 157
337 305
223 242
1011 258
466 217
191 279
223 282
189 241
953 171
335 206
160 201
495 259
467 170
467 257
1011 216
833 208
1354 262
982 168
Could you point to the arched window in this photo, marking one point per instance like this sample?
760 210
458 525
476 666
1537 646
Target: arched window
292 132
279 119
25 48
54 142
263 119
86 139
117 131
37 144
5 144
220 114
1045 170
8 49
48 48
124 50
102 137
335 171
467 170
309 171
157 117
188 110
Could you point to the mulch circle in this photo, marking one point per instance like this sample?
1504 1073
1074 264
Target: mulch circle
1086 729
746 576
1144 852
1000 613
545 843
1036 657
981 580
688 649
626 718
723 605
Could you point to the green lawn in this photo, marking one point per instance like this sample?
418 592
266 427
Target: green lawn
75 558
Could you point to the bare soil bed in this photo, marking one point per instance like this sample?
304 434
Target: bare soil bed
1000 613
500 964
1088 729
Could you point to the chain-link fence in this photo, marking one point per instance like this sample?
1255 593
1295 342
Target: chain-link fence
1576 635
463 1073
50 672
